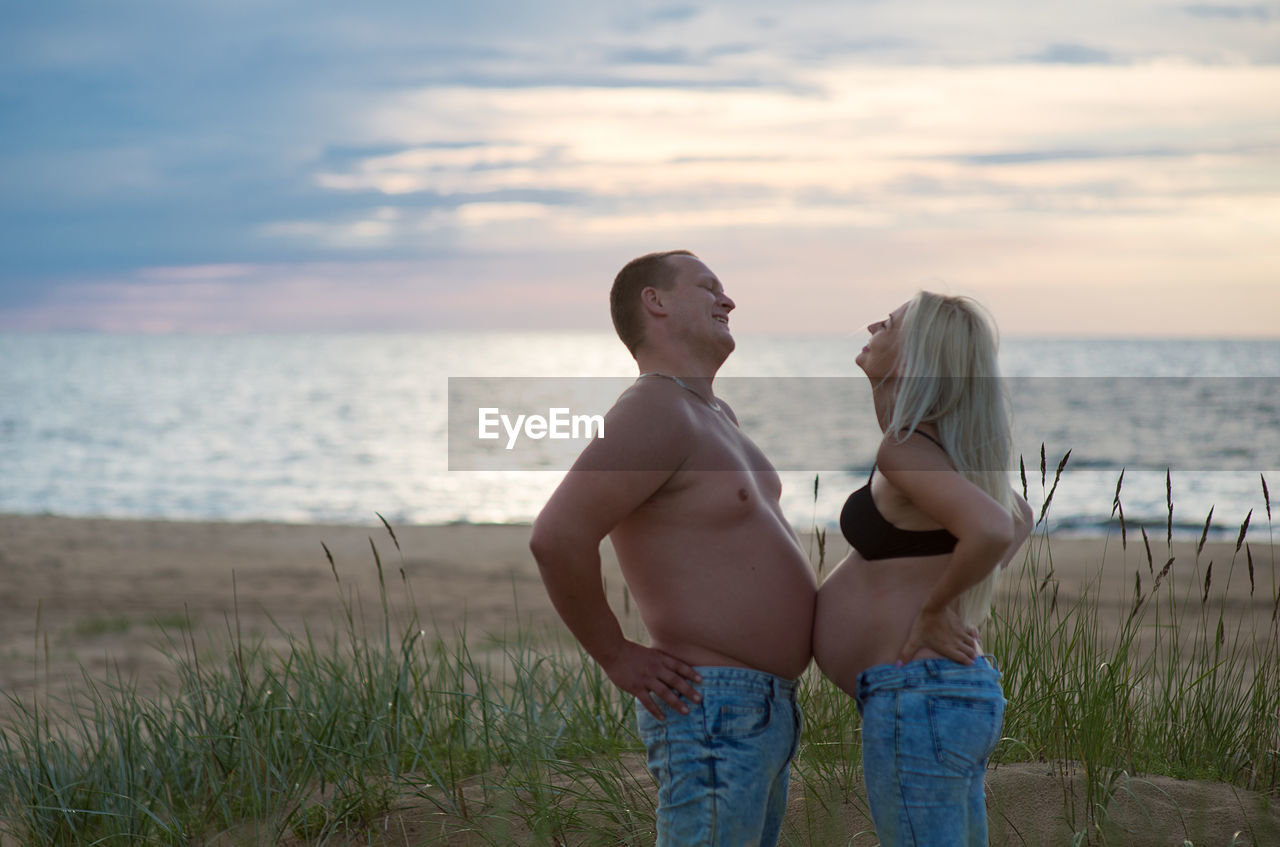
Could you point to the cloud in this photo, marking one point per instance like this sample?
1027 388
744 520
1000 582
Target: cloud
1022 157
451 290
652 56
1229 12
300 135
674 13
1073 54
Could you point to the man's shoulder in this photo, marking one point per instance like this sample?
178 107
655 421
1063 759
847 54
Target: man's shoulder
647 429
652 402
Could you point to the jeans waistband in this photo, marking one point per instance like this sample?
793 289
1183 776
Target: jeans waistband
747 679
922 672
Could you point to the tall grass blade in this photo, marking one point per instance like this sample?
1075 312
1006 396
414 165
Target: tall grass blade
333 567
1244 527
1057 476
1205 532
377 561
814 521
390 531
1117 507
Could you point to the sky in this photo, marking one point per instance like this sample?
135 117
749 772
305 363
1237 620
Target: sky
1093 168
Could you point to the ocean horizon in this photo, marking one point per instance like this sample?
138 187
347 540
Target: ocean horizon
341 427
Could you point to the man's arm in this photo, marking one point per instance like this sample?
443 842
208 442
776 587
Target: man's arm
613 476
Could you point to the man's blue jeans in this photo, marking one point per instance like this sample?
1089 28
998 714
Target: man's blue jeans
723 769
927 731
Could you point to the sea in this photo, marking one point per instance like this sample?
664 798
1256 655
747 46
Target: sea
426 429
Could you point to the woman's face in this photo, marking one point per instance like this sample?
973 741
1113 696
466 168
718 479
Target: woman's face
879 358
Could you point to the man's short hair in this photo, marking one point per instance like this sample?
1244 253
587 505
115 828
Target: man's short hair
649 270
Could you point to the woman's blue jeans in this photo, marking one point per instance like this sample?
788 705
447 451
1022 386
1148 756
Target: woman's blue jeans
928 729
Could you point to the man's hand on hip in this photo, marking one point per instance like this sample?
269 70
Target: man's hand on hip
648 675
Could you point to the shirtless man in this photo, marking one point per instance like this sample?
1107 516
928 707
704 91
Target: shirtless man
724 589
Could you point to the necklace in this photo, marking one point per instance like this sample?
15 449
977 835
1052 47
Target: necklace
680 382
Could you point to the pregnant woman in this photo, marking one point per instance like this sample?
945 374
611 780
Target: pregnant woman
896 623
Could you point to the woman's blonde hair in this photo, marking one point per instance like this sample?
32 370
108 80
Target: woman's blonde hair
949 376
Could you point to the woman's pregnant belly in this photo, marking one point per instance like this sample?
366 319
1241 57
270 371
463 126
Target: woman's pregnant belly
864 613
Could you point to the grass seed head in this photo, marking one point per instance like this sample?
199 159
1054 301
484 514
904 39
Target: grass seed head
1244 527
1205 532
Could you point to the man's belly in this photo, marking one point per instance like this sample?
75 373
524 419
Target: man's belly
751 606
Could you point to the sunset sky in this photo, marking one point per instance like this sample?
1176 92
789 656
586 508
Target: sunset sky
1099 167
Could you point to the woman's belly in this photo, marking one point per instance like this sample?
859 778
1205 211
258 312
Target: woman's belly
864 613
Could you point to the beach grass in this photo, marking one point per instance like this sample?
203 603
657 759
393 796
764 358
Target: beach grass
386 731
1174 685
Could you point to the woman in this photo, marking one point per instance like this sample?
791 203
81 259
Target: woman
896 622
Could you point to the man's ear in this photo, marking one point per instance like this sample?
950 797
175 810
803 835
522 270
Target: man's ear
653 300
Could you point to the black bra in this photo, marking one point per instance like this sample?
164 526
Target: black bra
875 538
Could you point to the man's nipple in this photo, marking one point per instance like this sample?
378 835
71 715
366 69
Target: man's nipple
742 495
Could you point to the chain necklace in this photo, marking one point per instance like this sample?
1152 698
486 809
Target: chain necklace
680 382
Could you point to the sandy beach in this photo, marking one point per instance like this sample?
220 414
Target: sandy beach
98 596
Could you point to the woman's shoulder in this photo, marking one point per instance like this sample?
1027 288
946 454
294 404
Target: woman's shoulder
915 449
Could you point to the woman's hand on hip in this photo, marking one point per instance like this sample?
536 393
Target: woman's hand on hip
945 634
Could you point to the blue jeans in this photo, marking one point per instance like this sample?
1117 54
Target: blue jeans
723 769
927 731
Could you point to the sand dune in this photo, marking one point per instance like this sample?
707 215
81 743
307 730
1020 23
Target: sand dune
82 595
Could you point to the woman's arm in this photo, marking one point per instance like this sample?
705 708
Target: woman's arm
1023 521
984 532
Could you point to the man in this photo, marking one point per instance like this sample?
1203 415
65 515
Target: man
724 589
